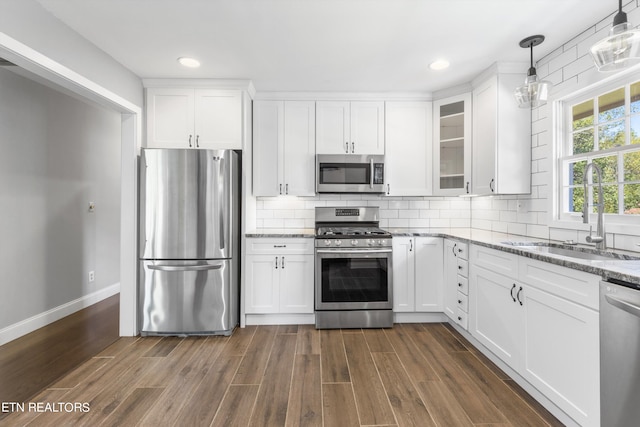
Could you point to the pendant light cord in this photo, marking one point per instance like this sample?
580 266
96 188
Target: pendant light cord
532 70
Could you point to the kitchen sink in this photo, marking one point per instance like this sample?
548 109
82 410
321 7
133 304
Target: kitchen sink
569 251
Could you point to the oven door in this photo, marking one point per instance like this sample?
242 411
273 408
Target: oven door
353 279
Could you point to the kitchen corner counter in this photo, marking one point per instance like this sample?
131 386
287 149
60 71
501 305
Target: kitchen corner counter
282 232
620 269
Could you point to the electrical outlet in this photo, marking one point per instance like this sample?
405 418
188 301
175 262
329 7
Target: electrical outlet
92 276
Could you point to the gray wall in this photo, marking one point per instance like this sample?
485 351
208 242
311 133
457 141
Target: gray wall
28 22
56 154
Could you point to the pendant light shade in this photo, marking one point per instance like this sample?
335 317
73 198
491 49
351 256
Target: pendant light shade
621 48
534 92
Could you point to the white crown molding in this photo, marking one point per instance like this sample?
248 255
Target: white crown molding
236 84
344 96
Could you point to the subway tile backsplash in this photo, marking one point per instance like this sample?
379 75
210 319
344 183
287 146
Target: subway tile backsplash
395 212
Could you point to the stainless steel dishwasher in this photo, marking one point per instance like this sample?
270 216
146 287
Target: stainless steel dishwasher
619 354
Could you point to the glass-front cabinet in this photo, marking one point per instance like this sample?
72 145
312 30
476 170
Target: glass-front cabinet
452 145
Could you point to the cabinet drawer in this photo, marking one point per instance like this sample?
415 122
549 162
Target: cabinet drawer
461 318
279 246
461 250
463 267
463 302
463 284
494 260
573 285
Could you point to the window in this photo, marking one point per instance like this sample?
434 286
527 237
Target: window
603 129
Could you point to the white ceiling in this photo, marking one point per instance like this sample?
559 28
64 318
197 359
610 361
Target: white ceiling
326 45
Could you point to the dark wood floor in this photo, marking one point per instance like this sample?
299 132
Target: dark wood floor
34 361
412 374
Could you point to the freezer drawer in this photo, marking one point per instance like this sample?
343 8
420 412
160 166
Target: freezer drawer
188 297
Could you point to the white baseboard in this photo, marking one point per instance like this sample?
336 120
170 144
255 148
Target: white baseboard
26 326
419 317
280 319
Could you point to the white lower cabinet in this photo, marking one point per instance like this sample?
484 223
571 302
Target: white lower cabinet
536 321
417 274
279 276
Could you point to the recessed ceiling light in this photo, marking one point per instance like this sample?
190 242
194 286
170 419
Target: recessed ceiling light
189 62
439 64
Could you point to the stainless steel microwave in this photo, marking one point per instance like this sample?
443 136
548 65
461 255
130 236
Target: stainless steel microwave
349 173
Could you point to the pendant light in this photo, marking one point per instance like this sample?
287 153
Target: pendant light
621 48
533 93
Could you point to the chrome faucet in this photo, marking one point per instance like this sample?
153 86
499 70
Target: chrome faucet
599 239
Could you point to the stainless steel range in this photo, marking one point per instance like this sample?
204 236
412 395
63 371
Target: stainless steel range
353 281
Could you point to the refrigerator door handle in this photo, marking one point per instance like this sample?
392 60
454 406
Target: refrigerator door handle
222 200
200 267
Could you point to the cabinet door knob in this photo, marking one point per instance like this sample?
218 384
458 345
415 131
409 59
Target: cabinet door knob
353 147
453 249
276 263
459 301
280 189
459 285
410 245
190 141
346 144
467 187
282 263
286 189
459 318
518 295
512 288
388 189
197 141
491 185
459 267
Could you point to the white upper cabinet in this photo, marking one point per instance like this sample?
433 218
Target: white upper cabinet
452 148
194 118
350 127
408 156
284 148
501 138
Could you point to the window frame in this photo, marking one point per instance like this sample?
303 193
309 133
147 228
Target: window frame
565 132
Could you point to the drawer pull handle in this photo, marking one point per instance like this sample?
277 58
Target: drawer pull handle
459 318
459 301
279 246
459 267
459 285
512 288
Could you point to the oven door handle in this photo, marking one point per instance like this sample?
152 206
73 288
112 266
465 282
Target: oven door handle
353 251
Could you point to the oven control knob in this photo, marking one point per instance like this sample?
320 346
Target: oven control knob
354 243
379 242
327 242
338 243
370 242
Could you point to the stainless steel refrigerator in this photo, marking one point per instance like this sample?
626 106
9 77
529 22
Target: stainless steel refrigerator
189 245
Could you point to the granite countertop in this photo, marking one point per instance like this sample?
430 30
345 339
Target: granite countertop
282 232
623 266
